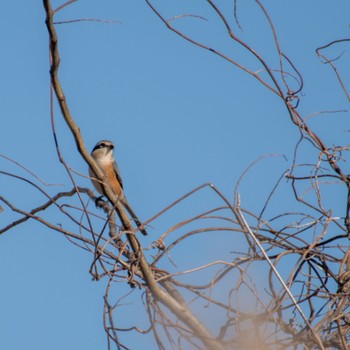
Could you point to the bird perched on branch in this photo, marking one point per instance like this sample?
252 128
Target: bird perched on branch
103 153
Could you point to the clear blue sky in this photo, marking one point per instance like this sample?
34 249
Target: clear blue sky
179 116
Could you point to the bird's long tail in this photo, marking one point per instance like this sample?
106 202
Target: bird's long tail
134 217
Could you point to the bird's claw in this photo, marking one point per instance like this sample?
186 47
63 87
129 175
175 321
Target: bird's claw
99 201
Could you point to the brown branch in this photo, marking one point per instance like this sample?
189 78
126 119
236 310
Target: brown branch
181 312
44 206
330 62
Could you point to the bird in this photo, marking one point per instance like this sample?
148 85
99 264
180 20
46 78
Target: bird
103 154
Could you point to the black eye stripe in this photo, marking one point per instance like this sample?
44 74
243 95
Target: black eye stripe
101 145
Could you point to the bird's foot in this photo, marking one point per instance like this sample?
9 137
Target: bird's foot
99 202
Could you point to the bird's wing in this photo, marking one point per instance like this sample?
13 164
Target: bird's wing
117 174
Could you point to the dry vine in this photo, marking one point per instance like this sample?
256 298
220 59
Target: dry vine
306 308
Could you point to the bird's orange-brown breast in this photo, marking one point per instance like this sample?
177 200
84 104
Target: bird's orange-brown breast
112 179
